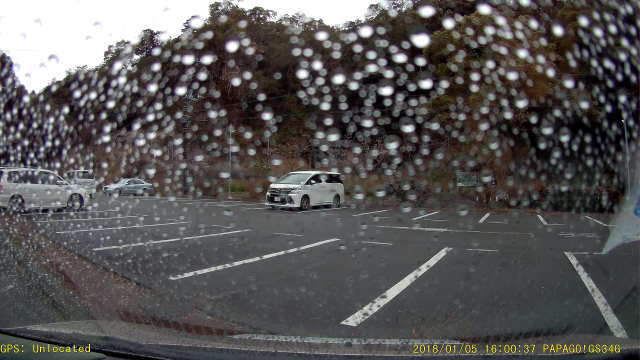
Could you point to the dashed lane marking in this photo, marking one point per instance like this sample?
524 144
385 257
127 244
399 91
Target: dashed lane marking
287 234
89 219
544 222
454 230
251 260
597 221
370 212
363 314
425 215
484 218
376 243
121 227
605 309
168 240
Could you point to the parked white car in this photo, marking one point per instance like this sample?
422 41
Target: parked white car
304 189
27 188
83 178
129 187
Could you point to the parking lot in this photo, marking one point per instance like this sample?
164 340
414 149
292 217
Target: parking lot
368 272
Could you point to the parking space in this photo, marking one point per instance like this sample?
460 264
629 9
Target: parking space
372 272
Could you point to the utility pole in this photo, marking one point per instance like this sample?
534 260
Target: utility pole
229 182
626 147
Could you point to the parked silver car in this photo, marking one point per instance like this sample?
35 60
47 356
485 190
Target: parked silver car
30 188
129 186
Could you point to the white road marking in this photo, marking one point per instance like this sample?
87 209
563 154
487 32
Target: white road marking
597 221
371 212
605 309
497 222
248 261
287 234
487 250
544 222
354 341
222 226
168 240
67 213
484 218
88 219
121 227
363 314
453 230
424 216
376 242
310 211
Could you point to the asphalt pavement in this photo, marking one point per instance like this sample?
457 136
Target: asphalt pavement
385 272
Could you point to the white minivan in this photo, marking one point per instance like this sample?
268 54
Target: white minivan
304 189
28 188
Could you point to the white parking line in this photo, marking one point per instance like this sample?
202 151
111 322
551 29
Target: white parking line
248 261
67 213
363 314
484 250
376 242
453 230
287 234
545 223
484 218
89 219
605 309
597 221
121 227
424 216
371 212
168 240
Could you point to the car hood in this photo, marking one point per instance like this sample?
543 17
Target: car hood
113 186
285 186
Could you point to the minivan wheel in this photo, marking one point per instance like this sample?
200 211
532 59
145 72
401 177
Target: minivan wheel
16 205
75 202
304 203
336 202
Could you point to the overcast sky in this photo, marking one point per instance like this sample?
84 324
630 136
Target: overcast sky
47 37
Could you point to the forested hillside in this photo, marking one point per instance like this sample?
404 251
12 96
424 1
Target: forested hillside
530 96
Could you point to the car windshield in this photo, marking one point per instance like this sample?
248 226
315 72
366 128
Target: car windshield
293 178
85 175
370 178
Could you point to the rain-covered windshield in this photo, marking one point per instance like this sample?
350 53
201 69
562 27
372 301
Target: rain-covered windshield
293 178
479 166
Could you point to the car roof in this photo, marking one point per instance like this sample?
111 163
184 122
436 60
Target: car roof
310 172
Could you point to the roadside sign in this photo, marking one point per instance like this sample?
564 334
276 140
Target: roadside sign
466 179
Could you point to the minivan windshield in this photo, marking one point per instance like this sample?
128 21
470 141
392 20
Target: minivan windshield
84 175
293 178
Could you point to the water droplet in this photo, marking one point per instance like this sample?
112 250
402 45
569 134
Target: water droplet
302 74
232 46
568 82
385 90
267 115
484 9
367 123
188 59
392 142
333 135
321 35
338 79
206 59
420 39
365 31
448 23
557 30
196 22
407 126
181 90
54 59
426 11
564 135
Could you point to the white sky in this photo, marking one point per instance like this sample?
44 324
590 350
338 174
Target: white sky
47 37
